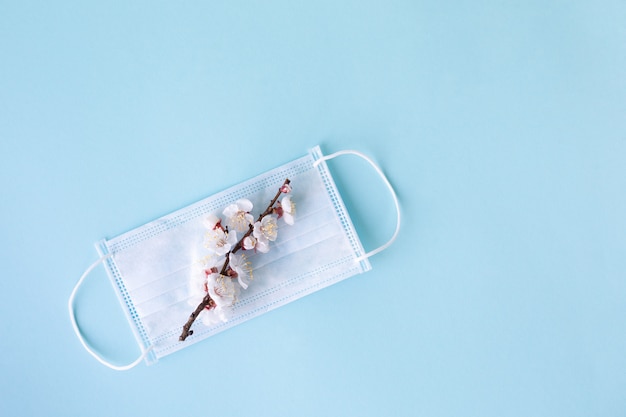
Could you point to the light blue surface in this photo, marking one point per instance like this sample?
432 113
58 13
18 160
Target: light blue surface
501 125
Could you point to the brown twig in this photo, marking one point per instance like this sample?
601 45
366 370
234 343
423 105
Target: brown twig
207 301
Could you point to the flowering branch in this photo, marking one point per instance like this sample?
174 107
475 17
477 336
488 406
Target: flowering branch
218 286
270 209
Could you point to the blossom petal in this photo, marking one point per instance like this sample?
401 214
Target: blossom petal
241 281
230 210
263 246
232 238
210 317
211 221
241 266
289 210
249 243
245 205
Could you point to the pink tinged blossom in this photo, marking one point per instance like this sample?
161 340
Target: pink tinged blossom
286 188
212 222
222 290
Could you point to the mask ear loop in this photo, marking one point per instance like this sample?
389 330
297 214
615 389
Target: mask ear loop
387 183
88 348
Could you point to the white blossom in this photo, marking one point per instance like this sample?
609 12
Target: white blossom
249 242
238 215
242 268
266 229
219 241
289 210
221 289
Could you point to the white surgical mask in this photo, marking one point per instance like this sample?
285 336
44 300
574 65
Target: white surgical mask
158 270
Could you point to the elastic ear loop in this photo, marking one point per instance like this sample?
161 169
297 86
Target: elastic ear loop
387 183
88 348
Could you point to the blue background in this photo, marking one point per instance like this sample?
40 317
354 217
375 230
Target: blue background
501 125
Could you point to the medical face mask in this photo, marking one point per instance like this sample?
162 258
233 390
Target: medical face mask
232 256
